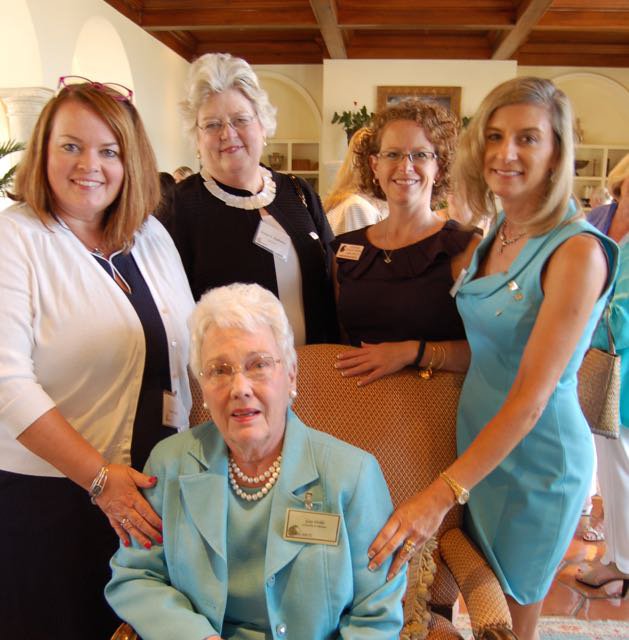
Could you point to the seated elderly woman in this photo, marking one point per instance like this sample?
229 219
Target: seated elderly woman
267 522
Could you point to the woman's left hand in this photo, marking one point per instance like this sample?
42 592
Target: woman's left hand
414 521
376 360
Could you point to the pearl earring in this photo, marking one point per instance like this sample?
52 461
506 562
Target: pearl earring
198 155
205 406
293 394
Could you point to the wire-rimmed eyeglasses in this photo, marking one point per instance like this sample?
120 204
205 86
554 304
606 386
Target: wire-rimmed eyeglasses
116 91
237 123
258 367
416 157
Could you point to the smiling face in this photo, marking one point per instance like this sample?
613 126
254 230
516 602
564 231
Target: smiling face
250 414
231 155
520 155
405 183
84 167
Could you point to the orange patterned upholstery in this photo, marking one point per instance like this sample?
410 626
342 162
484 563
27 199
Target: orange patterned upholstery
409 424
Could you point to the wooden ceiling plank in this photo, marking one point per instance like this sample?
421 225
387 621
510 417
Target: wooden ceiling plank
325 13
586 20
527 20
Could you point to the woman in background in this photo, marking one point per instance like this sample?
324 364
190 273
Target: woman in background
530 301
93 354
238 221
348 207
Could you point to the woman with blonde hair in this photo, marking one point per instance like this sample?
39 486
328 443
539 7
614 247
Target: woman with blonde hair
93 355
349 207
530 300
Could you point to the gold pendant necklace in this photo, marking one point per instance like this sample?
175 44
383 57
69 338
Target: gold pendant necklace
504 241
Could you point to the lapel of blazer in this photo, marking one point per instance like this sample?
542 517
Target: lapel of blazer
299 473
205 492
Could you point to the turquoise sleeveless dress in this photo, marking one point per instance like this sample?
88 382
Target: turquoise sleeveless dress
524 514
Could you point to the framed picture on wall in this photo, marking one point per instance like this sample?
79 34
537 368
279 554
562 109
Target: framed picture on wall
448 97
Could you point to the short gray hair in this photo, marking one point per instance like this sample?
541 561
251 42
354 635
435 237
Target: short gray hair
240 306
214 73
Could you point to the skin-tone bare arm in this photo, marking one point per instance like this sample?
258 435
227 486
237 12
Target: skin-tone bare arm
573 281
52 438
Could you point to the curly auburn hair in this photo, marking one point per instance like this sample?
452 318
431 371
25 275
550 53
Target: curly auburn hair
440 126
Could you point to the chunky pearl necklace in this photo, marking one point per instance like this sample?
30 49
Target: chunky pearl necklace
257 201
270 475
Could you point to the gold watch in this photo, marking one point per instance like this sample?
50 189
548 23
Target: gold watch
461 494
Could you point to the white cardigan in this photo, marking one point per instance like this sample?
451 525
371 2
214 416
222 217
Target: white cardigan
70 338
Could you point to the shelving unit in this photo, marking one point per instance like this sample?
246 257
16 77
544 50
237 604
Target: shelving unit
600 160
297 156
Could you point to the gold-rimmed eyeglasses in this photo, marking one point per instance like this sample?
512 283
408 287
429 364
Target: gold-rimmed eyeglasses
259 367
416 157
237 123
116 91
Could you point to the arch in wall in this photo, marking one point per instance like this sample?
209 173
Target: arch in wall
298 114
600 103
96 36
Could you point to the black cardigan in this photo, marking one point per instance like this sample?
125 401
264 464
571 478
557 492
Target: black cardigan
215 242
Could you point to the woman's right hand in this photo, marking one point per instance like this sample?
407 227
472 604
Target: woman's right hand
128 511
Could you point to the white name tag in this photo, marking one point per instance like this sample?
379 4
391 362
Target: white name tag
349 251
274 240
173 414
458 282
312 527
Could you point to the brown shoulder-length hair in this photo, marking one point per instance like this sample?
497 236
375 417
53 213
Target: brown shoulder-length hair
440 126
139 193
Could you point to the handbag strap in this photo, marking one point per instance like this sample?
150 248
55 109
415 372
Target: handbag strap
610 337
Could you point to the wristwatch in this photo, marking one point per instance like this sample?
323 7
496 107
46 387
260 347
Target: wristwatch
461 494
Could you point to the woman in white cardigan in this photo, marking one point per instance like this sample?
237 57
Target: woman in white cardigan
92 359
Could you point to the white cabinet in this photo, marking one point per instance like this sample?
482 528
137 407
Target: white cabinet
297 156
592 166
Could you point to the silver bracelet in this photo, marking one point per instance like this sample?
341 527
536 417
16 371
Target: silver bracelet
99 482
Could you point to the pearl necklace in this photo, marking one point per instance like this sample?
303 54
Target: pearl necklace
504 241
270 475
256 201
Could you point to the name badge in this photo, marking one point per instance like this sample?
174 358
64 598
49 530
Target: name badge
349 251
274 240
458 282
312 527
173 414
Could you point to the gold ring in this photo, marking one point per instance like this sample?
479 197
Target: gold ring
408 548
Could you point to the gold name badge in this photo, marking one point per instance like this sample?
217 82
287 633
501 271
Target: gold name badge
312 527
349 251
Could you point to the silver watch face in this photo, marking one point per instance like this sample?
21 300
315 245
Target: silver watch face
463 497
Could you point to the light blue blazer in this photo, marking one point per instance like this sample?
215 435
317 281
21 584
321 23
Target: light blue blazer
313 592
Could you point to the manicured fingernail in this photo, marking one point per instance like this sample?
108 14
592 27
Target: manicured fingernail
159 539
126 543
147 545
159 526
153 479
336 365
372 566
389 576
371 554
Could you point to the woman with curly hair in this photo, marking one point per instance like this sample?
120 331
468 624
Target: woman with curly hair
393 278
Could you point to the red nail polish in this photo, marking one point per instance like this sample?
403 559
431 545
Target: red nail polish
153 479
159 539
126 543
147 545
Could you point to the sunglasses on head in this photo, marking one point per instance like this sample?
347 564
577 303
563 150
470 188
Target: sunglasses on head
113 89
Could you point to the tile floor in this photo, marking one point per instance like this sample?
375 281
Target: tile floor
570 598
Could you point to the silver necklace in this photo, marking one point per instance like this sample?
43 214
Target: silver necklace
256 201
269 477
504 241
387 252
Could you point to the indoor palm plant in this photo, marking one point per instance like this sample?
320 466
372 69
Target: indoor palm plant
6 148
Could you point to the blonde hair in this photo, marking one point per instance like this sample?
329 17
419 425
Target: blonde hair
468 170
440 126
617 176
140 190
347 179
216 72
242 306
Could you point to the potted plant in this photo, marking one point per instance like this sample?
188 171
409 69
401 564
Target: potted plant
351 121
6 149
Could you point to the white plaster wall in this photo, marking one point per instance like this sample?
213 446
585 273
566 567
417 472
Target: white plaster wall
157 72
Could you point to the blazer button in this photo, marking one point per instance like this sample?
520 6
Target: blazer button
281 629
271 581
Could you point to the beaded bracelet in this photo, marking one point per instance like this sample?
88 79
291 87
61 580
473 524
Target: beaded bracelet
99 482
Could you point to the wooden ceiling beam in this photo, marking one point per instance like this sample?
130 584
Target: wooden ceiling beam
525 23
325 13
585 20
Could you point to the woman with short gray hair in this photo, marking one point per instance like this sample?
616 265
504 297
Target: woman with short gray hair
239 221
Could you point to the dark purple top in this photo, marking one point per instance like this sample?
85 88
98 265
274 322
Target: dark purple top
406 299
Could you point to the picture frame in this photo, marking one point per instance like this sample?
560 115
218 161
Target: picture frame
448 97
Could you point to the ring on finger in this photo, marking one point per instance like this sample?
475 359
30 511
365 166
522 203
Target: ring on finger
408 547
125 522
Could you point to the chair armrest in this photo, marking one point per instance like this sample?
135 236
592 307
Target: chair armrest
483 596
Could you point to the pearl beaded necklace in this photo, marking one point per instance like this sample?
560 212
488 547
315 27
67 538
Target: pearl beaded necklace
270 475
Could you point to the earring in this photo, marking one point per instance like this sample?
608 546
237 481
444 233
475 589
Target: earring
198 155
205 406
293 394
375 181
264 142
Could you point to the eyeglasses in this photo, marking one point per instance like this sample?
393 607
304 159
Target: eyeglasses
237 123
259 367
114 90
416 157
